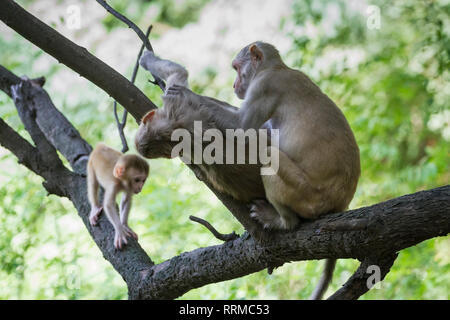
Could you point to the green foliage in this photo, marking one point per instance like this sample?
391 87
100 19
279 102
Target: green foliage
392 83
174 13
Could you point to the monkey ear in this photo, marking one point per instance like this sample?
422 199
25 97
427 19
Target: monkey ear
148 116
118 171
255 53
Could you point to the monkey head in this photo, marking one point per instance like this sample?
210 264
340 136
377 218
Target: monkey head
153 138
132 171
249 61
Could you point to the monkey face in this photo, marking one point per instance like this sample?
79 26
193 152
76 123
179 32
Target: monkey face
136 180
245 72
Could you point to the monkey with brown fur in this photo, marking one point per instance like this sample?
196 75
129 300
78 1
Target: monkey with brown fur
319 158
319 164
116 173
153 139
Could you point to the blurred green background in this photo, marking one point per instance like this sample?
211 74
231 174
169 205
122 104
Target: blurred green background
385 64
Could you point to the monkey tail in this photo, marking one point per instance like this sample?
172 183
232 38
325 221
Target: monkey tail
325 280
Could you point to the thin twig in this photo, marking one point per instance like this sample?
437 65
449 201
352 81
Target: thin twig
121 127
217 234
121 124
138 31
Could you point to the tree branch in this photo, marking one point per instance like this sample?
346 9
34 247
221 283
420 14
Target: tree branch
47 125
358 284
217 234
394 225
75 57
121 124
139 32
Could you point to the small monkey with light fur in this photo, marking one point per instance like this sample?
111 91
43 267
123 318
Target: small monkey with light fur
115 172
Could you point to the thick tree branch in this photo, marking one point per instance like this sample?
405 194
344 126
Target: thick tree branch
47 125
358 284
32 158
393 225
75 57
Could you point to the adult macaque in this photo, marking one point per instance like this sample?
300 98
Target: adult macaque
318 156
115 172
319 163
154 137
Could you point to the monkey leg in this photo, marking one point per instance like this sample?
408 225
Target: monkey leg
290 194
93 187
94 214
273 215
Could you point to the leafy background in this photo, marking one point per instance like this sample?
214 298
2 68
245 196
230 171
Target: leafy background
391 80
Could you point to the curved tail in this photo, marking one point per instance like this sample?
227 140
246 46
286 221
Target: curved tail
325 280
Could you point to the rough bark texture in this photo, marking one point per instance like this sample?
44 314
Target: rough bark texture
372 234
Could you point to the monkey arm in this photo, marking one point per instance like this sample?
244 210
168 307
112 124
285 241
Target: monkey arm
221 113
125 205
171 72
109 205
256 110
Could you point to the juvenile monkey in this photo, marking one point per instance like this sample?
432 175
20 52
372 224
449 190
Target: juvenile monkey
115 172
319 163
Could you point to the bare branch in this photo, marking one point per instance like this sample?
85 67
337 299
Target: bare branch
139 32
359 283
121 124
31 158
217 234
75 57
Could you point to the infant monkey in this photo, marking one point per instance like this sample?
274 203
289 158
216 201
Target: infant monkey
115 172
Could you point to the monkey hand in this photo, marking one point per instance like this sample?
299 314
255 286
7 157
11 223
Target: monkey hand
95 213
146 59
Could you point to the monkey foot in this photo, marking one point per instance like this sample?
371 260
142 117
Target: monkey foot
263 212
120 240
93 216
129 233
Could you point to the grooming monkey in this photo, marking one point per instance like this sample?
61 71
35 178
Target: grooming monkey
319 164
115 172
153 139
